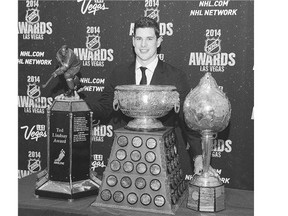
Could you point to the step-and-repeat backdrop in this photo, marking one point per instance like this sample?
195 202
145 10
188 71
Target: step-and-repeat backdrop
199 37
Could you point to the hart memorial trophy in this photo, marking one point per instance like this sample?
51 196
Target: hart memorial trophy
207 110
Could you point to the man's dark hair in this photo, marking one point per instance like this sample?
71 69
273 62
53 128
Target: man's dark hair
147 22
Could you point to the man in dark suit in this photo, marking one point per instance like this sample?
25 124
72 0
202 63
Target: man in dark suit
148 69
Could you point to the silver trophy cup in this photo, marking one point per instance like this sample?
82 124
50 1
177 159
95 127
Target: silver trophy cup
146 103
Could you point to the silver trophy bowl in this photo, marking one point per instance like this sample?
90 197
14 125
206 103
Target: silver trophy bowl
207 110
146 103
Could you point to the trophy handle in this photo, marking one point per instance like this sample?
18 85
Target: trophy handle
115 101
115 105
177 107
177 102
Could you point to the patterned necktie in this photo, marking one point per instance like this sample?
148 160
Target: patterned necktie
144 78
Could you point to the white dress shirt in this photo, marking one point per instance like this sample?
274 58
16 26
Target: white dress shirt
149 71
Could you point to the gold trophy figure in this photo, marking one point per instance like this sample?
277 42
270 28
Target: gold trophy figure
207 110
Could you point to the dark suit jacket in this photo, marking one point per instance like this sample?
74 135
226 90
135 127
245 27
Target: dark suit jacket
164 74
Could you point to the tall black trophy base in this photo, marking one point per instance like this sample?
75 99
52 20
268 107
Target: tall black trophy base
68 174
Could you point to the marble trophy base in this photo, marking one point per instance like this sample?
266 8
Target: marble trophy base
206 194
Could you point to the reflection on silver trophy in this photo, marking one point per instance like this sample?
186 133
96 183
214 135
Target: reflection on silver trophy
207 110
146 103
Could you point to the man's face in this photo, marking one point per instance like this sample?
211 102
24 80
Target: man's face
145 45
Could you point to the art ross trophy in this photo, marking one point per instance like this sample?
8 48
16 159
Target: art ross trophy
207 110
143 171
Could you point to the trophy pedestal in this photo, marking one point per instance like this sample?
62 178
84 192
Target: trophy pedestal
206 194
68 172
143 173
141 124
65 190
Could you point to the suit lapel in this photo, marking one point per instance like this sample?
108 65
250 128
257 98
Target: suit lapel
131 74
158 74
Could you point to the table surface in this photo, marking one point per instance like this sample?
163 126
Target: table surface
237 203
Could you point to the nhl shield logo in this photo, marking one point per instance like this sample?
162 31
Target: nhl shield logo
32 16
93 42
212 46
152 13
34 165
60 157
33 91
